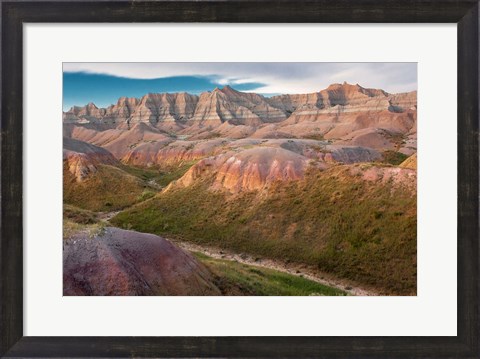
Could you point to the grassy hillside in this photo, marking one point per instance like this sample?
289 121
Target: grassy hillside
112 188
109 189
344 225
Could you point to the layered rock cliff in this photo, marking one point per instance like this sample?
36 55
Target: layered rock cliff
355 123
214 108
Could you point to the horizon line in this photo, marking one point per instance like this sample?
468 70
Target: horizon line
265 95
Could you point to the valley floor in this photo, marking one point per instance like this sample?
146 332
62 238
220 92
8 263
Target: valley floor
230 274
243 274
211 255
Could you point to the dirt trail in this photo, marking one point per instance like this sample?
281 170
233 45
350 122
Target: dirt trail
290 268
107 216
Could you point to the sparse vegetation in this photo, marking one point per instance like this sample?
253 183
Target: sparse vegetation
109 189
315 136
79 215
92 230
146 194
311 221
112 188
320 148
160 176
398 139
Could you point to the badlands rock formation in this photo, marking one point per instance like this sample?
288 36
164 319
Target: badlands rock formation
151 108
161 153
254 164
397 176
341 98
249 170
120 141
82 159
321 172
239 108
248 140
120 262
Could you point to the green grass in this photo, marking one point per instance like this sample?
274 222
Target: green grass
234 278
352 228
108 189
113 188
393 158
146 194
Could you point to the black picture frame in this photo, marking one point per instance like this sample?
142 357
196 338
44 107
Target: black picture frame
465 13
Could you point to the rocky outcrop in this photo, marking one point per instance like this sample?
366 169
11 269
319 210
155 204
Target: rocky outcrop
81 159
379 130
345 154
194 114
85 114
251 169
165 154
396 176
291 103
126 263
352 123
155 108
252 164
344 98
238 108
403 101
122 111
151 109
121 141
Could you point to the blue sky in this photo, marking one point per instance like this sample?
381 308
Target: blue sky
104 83
80 88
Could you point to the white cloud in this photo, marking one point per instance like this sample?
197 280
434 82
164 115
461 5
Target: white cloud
278 77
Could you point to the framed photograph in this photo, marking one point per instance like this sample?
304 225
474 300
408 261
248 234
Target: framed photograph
239 179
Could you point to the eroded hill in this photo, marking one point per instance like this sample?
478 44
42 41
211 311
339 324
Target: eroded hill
326 179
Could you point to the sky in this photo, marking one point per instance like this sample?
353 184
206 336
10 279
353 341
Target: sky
104 83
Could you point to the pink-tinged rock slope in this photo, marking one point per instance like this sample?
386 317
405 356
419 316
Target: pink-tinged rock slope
81 158
251 164
165 129
120 141
397 176
171 153
250 169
